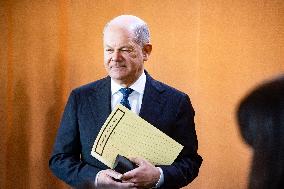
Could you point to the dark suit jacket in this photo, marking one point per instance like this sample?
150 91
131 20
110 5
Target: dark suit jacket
86 111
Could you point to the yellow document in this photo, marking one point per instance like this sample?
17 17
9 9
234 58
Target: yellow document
129 135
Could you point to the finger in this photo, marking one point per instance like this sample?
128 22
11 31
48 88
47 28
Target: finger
113 174
137 160
130 174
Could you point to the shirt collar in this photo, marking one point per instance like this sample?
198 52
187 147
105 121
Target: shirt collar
138 86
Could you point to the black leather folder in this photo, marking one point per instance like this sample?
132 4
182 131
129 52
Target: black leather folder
122 164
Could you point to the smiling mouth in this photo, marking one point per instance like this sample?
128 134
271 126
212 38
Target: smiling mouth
117 67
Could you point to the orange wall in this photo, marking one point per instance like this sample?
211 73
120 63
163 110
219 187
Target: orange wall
213 50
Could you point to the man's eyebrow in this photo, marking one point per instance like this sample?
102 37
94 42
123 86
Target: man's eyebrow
122 47
126 46
107 46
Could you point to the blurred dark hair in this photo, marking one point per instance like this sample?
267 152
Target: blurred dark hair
261 122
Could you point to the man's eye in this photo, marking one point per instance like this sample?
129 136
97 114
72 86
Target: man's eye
109 50
126 50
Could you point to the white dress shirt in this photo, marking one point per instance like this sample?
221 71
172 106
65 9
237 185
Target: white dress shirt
135 98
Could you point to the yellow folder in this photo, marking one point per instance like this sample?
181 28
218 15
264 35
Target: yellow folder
129 135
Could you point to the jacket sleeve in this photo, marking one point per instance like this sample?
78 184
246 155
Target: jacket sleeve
186 166
65 161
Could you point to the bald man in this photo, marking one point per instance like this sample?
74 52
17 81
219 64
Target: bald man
126 47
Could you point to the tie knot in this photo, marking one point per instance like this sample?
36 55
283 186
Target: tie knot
126 92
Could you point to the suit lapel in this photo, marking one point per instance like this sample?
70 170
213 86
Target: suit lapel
100 102
153 101
151 108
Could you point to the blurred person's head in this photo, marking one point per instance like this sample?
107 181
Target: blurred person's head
261 122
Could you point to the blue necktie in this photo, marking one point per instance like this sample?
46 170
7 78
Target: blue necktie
124 101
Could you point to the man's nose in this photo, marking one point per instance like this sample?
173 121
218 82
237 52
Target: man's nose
116 56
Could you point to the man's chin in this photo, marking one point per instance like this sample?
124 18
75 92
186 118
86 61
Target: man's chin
122 80
119 74
118 77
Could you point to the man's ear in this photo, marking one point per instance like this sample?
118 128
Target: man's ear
147 49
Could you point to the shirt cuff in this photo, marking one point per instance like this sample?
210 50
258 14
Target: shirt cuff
161 180
96 179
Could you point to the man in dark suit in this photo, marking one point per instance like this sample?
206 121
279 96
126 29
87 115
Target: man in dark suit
126 47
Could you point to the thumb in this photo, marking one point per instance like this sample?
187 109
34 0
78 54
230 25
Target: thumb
129 175
137 160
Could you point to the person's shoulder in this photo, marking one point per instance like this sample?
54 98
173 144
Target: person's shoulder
92 86
165 88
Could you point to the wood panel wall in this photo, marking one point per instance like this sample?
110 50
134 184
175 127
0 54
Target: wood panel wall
215 51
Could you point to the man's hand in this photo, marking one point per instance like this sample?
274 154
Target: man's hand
145 175
106 181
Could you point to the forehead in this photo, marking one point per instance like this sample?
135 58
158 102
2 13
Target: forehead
115 35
